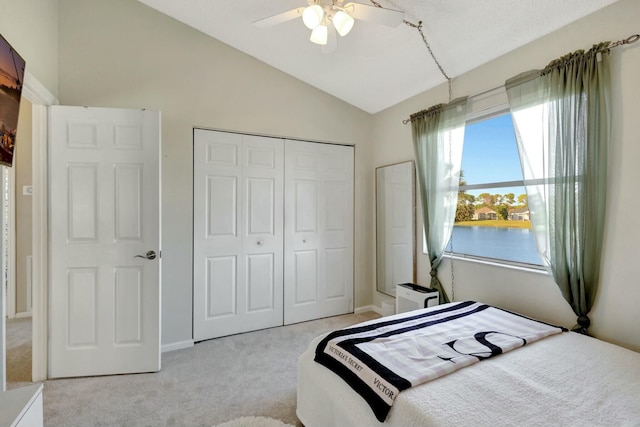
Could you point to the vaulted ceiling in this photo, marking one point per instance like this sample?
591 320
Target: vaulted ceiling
374 66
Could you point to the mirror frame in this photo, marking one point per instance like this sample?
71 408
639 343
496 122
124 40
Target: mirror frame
379 286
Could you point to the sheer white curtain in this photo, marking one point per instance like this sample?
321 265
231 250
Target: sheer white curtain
438 136
530 115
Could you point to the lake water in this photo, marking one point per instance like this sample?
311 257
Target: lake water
513 244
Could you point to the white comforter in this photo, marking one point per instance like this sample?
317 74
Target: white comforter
563 380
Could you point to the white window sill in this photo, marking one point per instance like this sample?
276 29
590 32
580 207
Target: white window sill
512 265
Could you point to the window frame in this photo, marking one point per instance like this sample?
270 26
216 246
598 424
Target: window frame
482 107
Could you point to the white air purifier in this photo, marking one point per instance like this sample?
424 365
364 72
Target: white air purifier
413 297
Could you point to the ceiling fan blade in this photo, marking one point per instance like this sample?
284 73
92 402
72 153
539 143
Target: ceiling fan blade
279 18
378 15
332 41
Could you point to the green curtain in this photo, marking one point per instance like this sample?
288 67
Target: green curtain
562 115
438 135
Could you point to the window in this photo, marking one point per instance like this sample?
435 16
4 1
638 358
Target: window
492 218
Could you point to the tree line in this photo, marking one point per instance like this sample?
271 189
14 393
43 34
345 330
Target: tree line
502 204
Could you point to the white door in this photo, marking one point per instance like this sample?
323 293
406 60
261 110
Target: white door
238 240
318 231
104 222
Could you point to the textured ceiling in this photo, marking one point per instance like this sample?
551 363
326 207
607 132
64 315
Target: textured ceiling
375 67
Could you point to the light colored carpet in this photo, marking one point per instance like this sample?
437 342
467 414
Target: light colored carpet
252 374
254 422
18 352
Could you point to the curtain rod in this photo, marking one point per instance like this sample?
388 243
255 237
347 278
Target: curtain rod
631 39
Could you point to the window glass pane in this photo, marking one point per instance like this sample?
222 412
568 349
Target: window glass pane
490 153
492 219
488 234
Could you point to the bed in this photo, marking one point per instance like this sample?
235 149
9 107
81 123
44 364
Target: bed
566 379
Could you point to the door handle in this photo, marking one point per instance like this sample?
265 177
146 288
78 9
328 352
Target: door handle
148 255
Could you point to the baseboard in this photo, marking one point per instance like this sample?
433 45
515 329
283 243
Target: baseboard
177 346
22 314
366 308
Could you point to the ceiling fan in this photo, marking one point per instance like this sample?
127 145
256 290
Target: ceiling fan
325 18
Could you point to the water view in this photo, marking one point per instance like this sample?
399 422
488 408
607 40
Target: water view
513 244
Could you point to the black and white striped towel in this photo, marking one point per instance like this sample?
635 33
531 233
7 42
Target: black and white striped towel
380 359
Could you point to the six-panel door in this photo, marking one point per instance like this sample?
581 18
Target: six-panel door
318 280
273 244
238 243
104 211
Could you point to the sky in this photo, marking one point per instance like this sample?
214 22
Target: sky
489 154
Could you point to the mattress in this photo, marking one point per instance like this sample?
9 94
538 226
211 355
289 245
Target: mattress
563 380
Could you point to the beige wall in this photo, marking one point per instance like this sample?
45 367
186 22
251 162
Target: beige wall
122 54
31 27
23 206
615 316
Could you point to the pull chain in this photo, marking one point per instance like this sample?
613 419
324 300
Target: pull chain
453 284
418 27
426 43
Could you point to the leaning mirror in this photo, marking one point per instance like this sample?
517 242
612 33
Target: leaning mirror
395 226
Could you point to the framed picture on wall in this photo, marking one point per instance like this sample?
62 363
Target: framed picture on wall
11 81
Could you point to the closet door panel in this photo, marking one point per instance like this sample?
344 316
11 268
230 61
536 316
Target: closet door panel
336 273
260 283
305 277
221 194
238 197
305 201
261 196
263 160
221 286
318 231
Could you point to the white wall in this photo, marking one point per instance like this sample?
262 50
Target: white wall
615 316
31 27
122 54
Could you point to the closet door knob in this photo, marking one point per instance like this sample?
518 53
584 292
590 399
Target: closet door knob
259 242
304 240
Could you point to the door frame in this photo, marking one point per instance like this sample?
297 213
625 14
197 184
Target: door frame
9 221
41 98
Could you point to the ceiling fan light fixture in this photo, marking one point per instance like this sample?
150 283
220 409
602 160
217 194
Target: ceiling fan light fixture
312 16
343 22
319 35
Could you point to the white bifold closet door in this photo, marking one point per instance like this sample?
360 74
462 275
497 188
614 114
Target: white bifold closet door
273 232
318 278
238 240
